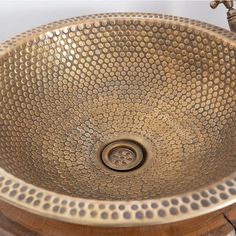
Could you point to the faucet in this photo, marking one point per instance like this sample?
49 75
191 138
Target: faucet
231 14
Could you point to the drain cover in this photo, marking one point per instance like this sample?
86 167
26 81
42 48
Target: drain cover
123 155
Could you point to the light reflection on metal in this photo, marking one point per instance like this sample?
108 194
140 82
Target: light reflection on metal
165 85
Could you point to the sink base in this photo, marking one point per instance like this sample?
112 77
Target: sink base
14 221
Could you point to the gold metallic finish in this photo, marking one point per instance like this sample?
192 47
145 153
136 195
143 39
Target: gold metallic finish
165 85
228 3
231 14
123 155
232 19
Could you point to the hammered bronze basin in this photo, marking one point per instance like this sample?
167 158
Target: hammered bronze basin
119 119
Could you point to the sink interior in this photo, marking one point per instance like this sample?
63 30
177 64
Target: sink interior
68 93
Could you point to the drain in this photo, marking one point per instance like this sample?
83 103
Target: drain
123 155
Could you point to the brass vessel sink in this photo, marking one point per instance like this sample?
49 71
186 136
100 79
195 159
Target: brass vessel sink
119 119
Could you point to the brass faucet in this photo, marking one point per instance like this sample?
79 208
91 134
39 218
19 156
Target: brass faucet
231 14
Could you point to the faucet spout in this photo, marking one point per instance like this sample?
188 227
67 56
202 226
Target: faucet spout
231 14
232 19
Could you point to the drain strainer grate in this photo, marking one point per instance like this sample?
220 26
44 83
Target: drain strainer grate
123 155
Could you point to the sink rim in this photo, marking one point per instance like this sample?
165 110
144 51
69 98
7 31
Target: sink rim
152 211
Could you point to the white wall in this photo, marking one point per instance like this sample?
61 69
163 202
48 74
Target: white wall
17 16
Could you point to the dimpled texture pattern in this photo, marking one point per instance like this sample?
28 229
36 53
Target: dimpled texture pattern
67 91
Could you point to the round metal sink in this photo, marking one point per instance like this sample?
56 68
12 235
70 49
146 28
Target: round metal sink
119 119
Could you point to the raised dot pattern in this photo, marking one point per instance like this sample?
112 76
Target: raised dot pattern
66 92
